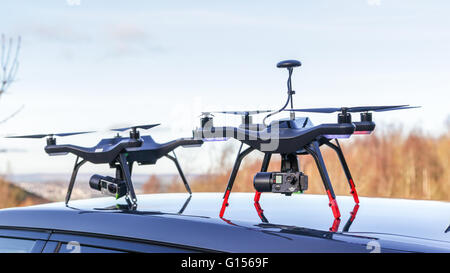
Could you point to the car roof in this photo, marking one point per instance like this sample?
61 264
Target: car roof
399 224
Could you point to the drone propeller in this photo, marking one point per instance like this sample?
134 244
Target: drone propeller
144 127
134 133
51 135
354 109
206 114
6 150
398 108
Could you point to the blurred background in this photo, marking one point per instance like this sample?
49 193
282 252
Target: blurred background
97 64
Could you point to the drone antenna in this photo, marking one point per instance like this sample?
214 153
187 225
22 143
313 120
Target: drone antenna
289 64
291 92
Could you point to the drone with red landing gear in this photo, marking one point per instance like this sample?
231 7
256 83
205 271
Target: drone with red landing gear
290 138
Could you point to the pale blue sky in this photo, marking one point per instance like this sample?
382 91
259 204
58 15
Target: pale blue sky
105 63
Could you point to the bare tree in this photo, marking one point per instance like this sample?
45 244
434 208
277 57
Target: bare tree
9 66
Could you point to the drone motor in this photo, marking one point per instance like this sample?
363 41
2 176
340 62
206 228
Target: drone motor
247 119
366 116
206 120
344 117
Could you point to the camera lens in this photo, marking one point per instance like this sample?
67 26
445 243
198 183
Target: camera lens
263 182
108 185
291 179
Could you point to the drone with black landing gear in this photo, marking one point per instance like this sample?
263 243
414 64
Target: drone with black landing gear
120 153
291 137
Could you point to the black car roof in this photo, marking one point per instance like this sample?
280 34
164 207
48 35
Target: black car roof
297 223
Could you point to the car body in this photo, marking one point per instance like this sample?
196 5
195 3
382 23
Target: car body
176 223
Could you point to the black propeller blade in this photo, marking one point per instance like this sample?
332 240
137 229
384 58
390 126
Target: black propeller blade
145 127
6 150
207 114
399 108
51 135
354 109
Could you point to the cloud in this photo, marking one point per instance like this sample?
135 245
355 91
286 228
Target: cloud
55 33
114 40
131 40
374 2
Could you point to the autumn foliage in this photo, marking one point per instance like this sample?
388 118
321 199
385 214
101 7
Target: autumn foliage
14 196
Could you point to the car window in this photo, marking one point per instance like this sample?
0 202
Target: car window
13 245
72 243
76 248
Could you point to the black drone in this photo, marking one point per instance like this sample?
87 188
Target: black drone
289 138
120 153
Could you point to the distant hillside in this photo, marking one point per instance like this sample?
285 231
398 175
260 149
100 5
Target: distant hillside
14 196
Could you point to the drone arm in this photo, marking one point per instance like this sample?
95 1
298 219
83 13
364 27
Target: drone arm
96 155
314 151
73 178
364 127
172 145
180 171
233 175
340 154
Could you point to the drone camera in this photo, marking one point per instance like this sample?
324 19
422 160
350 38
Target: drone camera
285 183
108 185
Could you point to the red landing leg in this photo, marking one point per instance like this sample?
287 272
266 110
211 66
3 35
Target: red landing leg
258 208
353 191
334 206
354 212
257 196
336 224
224 204
351 219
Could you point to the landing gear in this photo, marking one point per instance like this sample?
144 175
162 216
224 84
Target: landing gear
314 151
289 163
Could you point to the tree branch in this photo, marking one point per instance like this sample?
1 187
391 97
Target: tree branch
12 115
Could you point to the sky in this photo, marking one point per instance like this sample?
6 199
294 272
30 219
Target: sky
94 65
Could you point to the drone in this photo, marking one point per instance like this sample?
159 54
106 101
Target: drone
291 137
120 153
